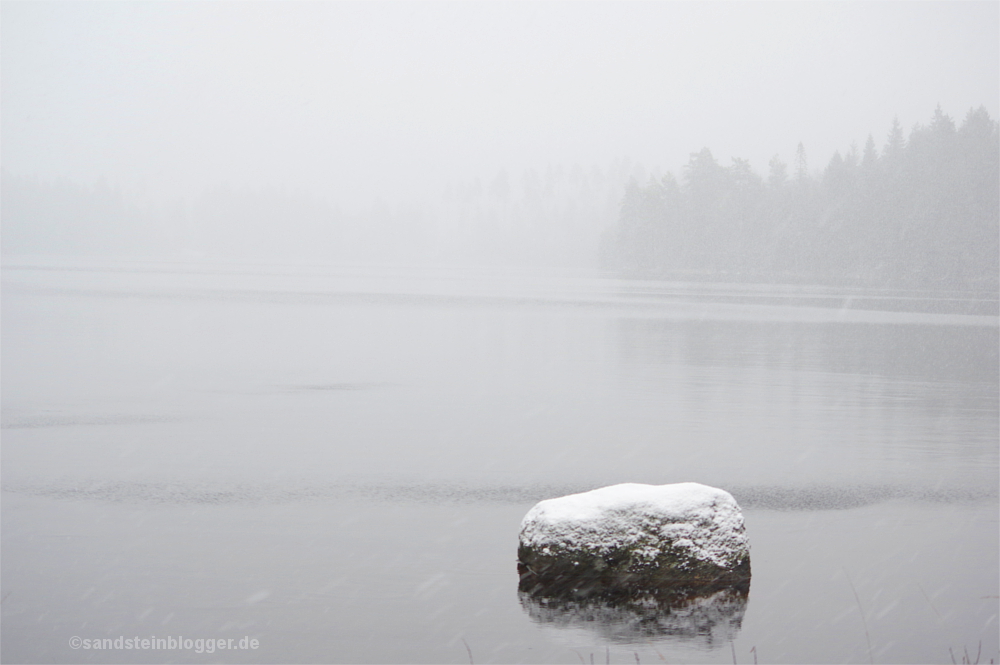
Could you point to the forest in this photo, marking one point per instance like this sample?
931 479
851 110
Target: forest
921 212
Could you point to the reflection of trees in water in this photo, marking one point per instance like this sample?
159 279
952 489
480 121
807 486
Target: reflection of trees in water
954 353
710 616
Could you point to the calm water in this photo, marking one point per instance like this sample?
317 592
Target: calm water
336 462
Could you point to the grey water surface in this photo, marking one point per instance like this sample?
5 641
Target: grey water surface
335 462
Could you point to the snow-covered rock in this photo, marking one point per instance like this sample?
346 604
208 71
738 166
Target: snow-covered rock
631 536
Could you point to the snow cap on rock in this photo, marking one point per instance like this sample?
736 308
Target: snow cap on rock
705 523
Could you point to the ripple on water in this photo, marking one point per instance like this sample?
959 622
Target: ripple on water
832 497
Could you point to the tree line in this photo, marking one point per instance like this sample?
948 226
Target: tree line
922 211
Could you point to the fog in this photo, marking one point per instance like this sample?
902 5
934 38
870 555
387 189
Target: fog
198 129
306 305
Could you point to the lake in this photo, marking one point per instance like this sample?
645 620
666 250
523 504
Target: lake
334 461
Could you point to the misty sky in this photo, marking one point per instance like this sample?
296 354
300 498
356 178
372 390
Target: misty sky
348 101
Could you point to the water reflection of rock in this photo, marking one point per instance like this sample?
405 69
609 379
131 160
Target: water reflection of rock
707 616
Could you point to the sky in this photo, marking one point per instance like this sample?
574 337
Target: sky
352 102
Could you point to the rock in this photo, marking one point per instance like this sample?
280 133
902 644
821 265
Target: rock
634 538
